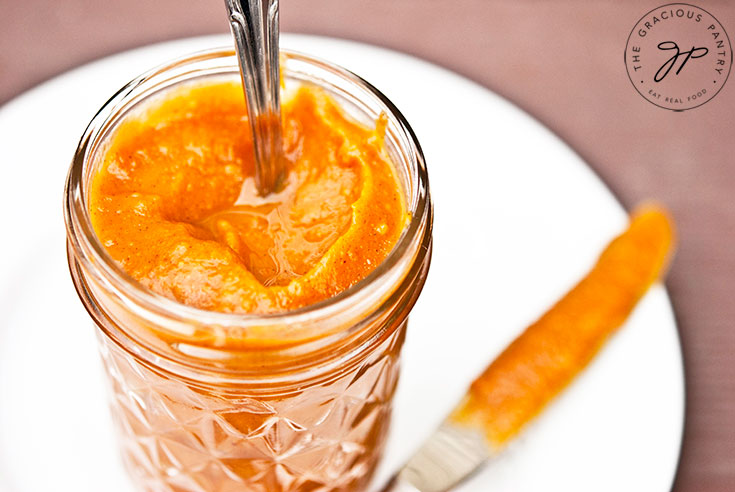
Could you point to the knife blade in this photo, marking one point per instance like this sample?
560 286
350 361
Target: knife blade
543 360
447 457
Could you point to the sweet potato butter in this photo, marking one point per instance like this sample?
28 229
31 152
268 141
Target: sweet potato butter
174 202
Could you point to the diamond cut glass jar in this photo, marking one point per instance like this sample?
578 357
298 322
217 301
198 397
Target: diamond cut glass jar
302 401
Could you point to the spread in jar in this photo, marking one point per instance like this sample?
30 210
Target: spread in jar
174 202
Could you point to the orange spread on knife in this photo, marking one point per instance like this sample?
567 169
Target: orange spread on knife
548 355
174 202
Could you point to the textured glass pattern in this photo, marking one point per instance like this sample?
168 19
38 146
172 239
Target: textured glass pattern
324 437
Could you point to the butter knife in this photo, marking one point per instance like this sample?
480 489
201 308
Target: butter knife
544 359
450 455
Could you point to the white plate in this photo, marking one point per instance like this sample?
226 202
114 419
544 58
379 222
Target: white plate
519 218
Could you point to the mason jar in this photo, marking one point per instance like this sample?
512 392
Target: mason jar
298 400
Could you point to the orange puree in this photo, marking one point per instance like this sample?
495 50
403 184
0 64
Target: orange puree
174 202
547 356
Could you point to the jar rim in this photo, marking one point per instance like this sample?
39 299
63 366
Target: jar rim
414 240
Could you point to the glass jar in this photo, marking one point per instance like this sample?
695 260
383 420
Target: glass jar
302 401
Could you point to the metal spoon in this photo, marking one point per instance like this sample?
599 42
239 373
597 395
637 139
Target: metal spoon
254 25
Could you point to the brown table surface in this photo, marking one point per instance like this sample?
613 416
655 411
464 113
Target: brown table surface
560 61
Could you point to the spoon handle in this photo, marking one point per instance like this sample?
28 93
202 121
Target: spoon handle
254 25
